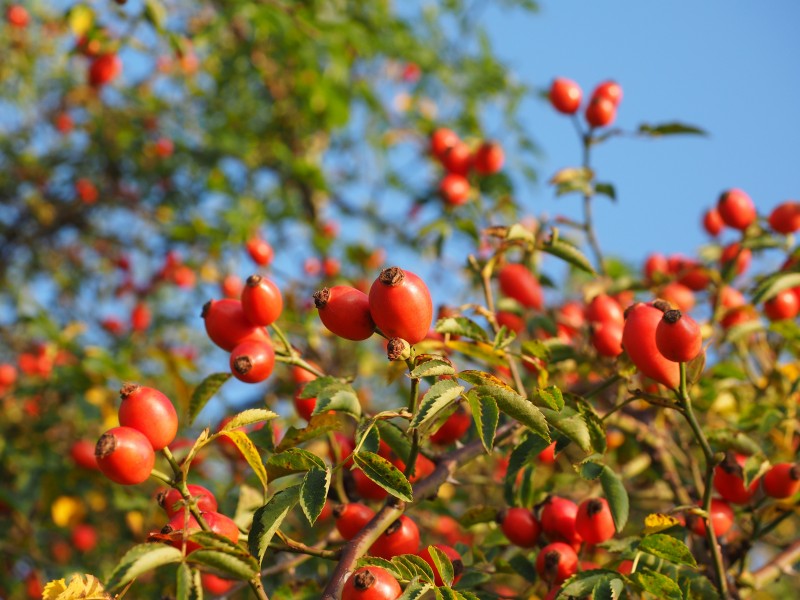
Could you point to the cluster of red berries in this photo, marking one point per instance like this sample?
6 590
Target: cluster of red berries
402 537
399 304
780 481
237 326
566 96
458 160
148 422
182 524
566 526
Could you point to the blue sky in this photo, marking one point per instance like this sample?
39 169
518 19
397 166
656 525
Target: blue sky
728 67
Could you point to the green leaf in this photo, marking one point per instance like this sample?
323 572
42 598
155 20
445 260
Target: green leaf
432 368
318 426
668 548
415 590
268 519
442 564
314 387
416 565
550 397
155 13
774 284
248 417
249 452
314 492
581 425
594 425
213 541
674 128
462 326
517 407
573 179
478 514
139 560
445 593
657 584
367 436
569 253
239 566
295 460
375 561
606 189
522 454
617 497
340 398
754 467
608 589
584 583
204 392
440 395
524 567
188 585
385 474
591 468
395 438
486 416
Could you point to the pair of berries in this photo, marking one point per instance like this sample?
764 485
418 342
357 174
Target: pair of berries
399 304
566 95
657 339
148 422
606 319
238 327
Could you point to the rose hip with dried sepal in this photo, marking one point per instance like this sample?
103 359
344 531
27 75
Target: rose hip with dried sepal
345 311
678 337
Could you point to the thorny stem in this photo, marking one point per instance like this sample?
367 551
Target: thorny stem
258 588
711 463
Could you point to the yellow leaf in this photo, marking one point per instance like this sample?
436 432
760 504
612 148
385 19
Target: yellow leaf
655 522
53 589
81 18
84 587
67 510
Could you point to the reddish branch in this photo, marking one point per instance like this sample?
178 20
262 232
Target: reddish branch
424 489
776 567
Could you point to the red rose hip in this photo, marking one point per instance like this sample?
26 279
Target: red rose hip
252 361
371 583
517 282
345 311
736 209
556 562
150 412
594 522
401 305
125 455
678 337
639 341
262 302
565 96
520 526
